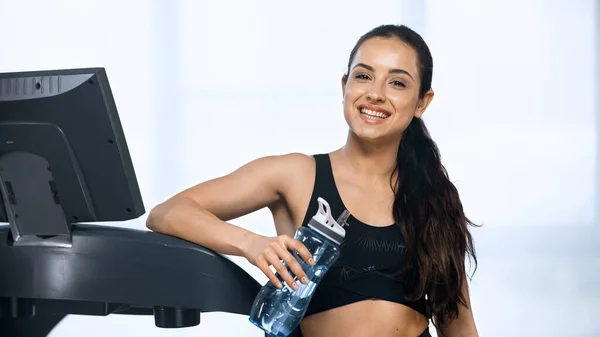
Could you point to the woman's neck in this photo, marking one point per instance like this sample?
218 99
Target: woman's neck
369 158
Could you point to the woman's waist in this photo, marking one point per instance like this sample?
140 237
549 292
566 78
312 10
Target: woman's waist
366 318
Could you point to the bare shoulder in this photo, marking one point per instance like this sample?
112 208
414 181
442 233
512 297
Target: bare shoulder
299 177
282 169
289 171
263 182
296 163
297 160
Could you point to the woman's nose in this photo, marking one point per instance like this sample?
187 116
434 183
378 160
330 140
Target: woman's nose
375 96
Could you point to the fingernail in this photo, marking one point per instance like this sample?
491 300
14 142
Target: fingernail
279 285
311 261
295 286
304 280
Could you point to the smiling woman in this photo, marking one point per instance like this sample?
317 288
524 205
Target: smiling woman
381 84
403 258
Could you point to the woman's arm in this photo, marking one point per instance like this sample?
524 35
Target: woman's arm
200 214
464 324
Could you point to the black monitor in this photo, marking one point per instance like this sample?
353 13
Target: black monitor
63 155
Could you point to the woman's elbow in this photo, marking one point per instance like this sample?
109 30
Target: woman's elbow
156 220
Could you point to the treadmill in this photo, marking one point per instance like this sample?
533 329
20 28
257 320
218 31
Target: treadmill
64 169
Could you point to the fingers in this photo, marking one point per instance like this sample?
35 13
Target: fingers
263 265
277 251
274 259
302 251
292 263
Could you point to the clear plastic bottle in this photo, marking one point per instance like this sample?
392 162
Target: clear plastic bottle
279 311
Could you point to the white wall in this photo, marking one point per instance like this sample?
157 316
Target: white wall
205 86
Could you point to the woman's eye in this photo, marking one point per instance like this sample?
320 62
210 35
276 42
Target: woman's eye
361 77
398 84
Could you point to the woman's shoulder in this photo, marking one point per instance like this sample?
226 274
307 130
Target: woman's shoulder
287 159
296 159
283 166
292 168
290 165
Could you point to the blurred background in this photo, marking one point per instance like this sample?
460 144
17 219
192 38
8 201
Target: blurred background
203 87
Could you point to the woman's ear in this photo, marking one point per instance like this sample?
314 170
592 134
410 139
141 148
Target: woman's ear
423 103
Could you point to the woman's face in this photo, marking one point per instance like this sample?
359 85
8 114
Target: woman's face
381 93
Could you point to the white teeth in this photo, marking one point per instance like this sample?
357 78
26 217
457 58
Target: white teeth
373 114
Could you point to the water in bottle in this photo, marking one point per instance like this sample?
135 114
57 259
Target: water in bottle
278 311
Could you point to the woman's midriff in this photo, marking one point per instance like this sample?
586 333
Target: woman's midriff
369 318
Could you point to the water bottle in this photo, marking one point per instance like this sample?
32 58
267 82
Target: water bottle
279 311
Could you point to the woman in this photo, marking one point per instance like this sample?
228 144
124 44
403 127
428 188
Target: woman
390 279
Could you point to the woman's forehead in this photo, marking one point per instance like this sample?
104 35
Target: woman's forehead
384 54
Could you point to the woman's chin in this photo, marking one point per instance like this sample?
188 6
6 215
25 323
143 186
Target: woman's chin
374 136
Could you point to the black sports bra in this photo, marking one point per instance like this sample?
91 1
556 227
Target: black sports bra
369 256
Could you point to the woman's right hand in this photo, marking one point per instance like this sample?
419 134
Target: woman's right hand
270 251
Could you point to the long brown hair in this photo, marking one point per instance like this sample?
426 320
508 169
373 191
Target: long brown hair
427 205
